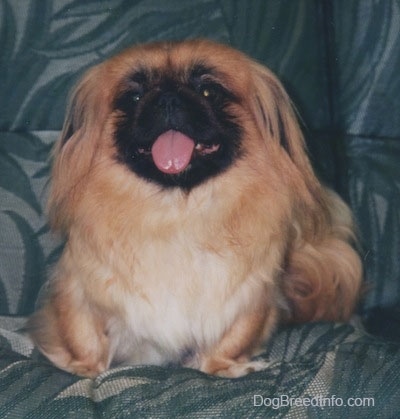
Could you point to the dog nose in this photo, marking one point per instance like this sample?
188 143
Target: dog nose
169 102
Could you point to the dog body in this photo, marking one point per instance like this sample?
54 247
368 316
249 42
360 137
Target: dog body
192 217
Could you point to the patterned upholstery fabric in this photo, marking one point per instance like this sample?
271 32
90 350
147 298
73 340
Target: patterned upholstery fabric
340 63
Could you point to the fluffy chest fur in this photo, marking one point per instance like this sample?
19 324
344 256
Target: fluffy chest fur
186 299
177 276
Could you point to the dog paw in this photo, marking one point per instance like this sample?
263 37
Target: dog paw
240 369
89 365
86 369
230 368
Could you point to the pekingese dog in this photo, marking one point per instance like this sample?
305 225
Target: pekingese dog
193 220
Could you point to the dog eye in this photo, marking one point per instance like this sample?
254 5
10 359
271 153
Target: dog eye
137 96
206 92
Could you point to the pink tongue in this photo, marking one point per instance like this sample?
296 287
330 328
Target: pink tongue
172 152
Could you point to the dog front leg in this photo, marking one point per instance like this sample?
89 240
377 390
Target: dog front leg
231 357
71 333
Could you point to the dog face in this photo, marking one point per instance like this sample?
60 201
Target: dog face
179 114
191 212
175 126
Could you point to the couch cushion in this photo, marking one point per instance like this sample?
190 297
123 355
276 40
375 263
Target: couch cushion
322 363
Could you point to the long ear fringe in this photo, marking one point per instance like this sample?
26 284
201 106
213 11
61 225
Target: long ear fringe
277 121
323 272
276 117
76 148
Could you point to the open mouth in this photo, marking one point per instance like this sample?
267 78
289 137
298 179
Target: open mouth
173 151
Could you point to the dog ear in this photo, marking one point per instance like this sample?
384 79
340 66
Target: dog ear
76 147
276 118
322 276
278 126
83 105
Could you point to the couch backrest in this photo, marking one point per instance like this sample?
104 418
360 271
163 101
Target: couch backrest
338 60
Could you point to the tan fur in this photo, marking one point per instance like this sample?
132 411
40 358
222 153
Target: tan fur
147 271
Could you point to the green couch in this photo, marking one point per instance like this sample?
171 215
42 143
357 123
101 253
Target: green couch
340 62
